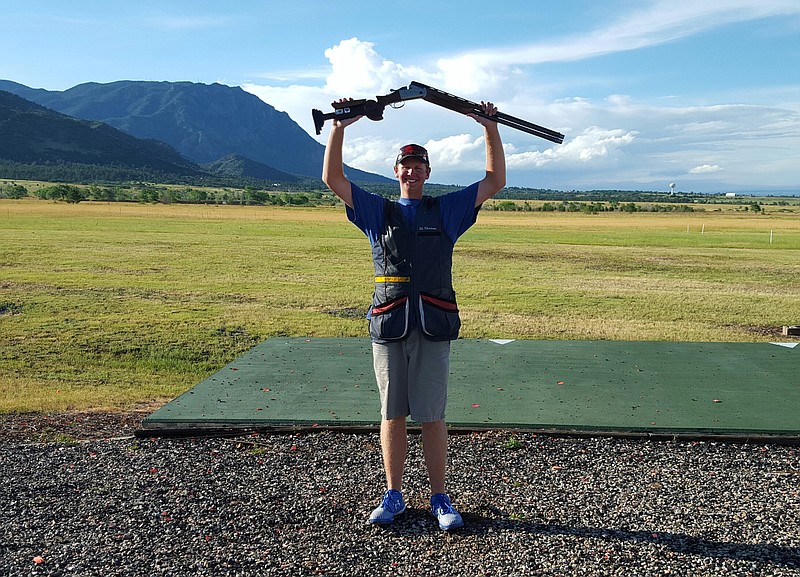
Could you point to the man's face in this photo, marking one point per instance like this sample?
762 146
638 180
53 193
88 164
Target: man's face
412 173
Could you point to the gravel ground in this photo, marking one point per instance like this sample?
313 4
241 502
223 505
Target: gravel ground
81 496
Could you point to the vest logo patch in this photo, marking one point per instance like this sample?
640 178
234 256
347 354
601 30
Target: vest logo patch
424 230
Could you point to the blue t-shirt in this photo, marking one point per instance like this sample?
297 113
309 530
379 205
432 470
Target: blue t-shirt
458 211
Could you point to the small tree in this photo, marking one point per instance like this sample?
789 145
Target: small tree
508 205
62 192
14 191
74 194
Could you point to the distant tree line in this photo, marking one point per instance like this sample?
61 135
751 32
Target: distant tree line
150 193
586 207
251 195
612 195
79 182
76 173
73 172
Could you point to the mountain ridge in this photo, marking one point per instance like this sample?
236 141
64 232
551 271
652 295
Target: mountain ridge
203 122
34 134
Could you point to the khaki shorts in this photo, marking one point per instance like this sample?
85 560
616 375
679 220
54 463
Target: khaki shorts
412 377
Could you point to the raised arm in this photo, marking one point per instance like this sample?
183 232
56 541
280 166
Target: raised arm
495 178
333 166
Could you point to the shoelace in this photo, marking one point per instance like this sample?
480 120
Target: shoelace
443 508
390 502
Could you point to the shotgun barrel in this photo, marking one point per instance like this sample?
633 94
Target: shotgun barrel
458 104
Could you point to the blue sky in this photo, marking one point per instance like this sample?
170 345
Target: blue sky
702 93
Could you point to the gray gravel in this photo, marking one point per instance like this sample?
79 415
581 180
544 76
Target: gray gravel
297 505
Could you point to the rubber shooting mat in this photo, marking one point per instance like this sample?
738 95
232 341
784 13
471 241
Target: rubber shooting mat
586 387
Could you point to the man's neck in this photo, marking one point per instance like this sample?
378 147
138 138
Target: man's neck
405 200
413 195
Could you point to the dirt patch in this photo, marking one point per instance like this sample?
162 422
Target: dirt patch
68 427
762 331
9 308
348 313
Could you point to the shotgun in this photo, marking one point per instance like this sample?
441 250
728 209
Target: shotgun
373 109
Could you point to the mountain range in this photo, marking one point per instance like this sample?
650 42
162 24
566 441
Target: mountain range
222 127
33 133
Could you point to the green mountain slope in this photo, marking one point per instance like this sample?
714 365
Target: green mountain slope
30 134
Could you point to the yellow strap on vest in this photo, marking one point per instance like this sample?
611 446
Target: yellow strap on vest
392 279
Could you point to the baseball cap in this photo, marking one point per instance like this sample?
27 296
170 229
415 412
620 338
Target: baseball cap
412 150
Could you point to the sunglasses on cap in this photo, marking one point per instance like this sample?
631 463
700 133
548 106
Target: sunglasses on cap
412 150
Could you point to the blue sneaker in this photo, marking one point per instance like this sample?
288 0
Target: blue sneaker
443 510
391 505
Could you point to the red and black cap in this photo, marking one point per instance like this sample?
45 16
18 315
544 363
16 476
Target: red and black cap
412 151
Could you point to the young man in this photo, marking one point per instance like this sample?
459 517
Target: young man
414 315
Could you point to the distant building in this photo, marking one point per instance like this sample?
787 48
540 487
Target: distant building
730 194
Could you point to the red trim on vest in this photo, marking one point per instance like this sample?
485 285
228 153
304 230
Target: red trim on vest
389 306
440 303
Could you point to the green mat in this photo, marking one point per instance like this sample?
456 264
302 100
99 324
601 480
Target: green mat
654 388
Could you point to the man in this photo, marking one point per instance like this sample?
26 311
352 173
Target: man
414 315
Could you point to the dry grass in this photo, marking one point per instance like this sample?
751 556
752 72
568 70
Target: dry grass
113 305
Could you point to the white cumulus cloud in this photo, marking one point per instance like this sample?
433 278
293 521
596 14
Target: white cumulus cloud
705 169
593 145
357 68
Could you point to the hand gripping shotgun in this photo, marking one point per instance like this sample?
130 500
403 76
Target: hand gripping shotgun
373 109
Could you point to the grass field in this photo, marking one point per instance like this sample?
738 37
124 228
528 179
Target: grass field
125 305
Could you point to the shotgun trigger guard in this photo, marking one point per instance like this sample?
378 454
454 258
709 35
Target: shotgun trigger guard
410 93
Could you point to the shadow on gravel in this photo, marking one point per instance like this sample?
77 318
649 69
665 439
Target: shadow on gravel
417 522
